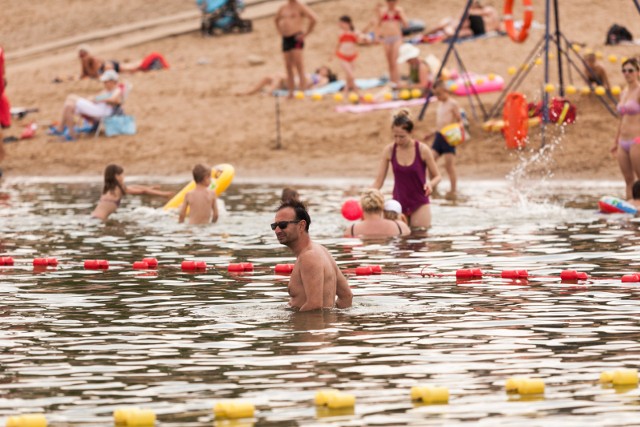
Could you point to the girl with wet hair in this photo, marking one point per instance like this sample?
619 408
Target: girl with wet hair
114 190
414 169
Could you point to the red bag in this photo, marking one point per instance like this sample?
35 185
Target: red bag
562 111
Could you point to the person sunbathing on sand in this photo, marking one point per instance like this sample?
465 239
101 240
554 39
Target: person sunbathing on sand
268 84
114 190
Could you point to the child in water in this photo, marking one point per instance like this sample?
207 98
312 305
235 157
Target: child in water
347 51
200 202
114 190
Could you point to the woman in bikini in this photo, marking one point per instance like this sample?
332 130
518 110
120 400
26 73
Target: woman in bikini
626 146
114 190
390 23
347 51
373 223
414 169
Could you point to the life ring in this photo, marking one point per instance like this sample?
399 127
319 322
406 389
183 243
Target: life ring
221 177
526 24
609 204
454 134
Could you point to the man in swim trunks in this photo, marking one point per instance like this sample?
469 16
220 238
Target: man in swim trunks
316 281
290 24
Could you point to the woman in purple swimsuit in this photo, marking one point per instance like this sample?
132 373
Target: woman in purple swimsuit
626 146
412 163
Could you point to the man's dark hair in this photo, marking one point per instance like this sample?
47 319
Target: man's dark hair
300 209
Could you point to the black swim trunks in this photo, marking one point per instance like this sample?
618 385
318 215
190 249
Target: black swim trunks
441 146
292 42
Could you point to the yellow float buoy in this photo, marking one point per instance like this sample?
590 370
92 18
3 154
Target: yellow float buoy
491 77
353 97
599 54
586 90
600 90
479 81
341 400
27 420
549 87
322 396
538 61
453 87
623 59
571 90
511 70
606 377
388 96
524 67
316 96
416 93
613 59
367 97
625 377
298 94
615 90
430 395
338 97
233 409
405 94
551 56
576 48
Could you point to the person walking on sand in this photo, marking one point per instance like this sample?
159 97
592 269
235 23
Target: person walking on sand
201 202
391 20
626 146
316 281
413 164
448 112
290 24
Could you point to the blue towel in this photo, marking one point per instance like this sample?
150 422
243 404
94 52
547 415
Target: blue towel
337 86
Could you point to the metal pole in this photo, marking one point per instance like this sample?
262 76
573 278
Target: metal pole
545 95
637 5
557 19
454 38
278 140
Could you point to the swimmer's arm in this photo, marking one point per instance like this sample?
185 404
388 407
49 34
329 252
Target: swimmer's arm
183 209
431 170
383 167
313 18
144 189
214 207
312 276
403 18
344 296
277 19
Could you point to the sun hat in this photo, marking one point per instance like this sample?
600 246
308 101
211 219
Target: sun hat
109 75
407 52
393 206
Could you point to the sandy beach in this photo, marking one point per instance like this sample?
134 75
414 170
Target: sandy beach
190 113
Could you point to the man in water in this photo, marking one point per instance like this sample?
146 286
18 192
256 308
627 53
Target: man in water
316 281
290 24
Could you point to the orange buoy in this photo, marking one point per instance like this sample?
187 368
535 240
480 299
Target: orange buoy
521 36
516 120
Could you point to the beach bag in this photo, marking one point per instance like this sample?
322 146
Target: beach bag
562 111
618 33
120 124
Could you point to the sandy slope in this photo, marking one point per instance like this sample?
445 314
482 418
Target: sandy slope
189 114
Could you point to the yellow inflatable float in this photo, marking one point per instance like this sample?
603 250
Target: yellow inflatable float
221 177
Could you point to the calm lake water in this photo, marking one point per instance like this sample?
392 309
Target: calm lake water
76 344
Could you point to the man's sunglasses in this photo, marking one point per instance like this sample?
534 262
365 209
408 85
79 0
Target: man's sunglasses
283 224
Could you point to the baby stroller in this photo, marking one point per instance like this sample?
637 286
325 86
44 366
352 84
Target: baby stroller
222 15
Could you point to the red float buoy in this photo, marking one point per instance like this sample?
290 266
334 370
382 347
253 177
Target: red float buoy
40 262
351 210
514 274
235 268
52 262
247 266
91 264
200 265
151 262
103 264
363 271
188 265
6 261
140 265
284 268
468 273
630 278
376 269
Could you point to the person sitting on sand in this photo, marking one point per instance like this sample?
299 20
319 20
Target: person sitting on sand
114 190
201 202
102 106
316 281
595 72
269 84
421 72
393 211
481 20
373 223
91 66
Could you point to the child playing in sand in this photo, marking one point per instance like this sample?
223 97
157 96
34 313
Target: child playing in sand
347 51
201 201
114 190
448 113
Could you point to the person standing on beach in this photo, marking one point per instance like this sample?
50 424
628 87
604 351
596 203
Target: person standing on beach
391 21
290 24
316 281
